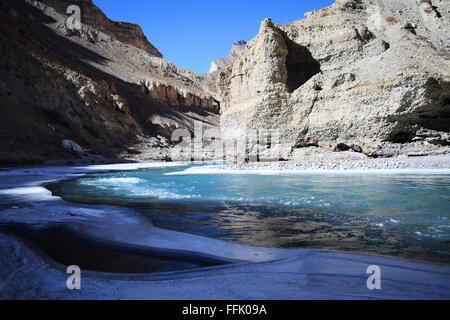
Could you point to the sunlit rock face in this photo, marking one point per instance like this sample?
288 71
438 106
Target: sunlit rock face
91 15
218 65
180 98
369 76
235 53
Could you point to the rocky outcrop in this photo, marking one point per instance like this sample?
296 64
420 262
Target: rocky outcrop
179 98
84 86
91 15
223 63
218 65
369 76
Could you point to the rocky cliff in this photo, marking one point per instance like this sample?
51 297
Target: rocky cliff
220 64
372 76
102 87
127 33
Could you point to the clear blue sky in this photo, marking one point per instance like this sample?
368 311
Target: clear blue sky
192 33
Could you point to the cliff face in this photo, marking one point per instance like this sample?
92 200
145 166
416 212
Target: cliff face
221 64
168 94
372 76
127 33
235 53
107 96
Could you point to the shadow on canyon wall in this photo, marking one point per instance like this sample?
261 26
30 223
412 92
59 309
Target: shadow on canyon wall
300 64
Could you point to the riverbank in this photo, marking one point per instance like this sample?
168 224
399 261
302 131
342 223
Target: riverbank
343 162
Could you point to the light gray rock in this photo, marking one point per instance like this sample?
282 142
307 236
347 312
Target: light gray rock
362 75
221 64
236 51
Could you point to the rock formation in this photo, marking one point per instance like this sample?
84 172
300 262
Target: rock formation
102 86
127 33
221 64
371 76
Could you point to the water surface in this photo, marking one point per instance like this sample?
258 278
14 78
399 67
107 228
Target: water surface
400 215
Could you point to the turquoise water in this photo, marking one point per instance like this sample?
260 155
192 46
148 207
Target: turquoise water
401 215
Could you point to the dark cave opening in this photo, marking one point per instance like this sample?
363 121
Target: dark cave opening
300 65
438 120
401 136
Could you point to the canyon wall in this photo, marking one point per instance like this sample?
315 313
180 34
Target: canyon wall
371 76
103 86
124 32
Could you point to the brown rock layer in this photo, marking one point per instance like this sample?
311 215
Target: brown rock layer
128 33
172 96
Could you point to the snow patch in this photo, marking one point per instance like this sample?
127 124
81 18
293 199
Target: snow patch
29 193
132 166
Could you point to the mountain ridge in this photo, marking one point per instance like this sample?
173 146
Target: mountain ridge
125 32
223 63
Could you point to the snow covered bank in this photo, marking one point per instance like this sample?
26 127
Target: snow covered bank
214 170
340 163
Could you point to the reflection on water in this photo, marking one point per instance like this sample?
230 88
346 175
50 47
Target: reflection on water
387 214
